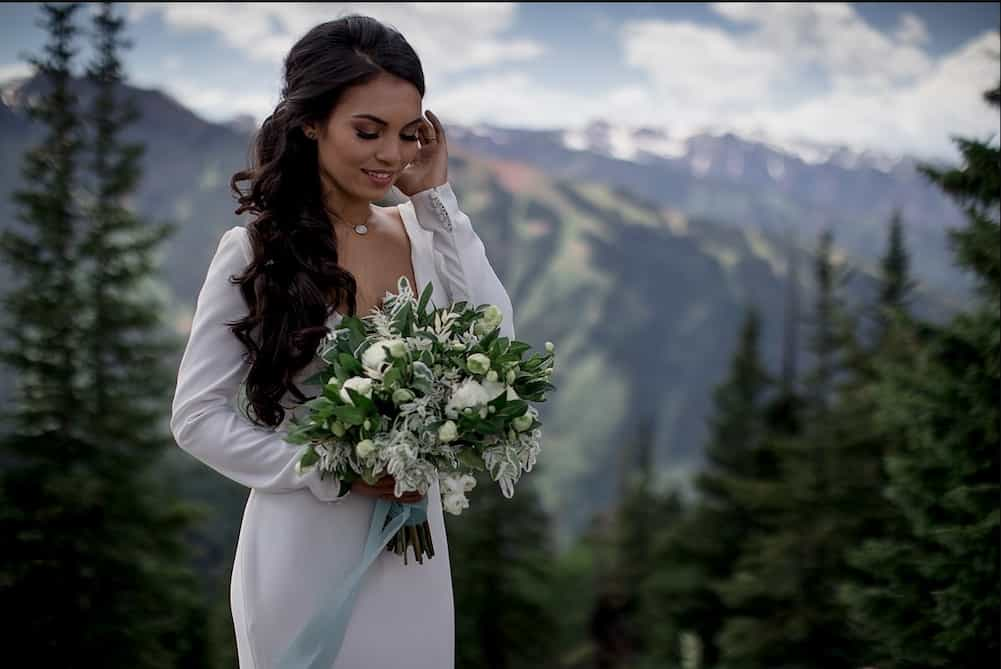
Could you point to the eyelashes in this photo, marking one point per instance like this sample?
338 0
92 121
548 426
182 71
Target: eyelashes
373 135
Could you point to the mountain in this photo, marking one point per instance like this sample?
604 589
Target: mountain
643 301
751 182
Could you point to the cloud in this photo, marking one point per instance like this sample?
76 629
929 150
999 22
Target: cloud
449 37
815 72
516 99
9 71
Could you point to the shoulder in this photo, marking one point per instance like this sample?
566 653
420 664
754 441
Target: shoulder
238 236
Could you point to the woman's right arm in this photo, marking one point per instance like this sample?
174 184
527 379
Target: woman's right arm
203 420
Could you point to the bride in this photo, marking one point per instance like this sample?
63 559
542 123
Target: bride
348 128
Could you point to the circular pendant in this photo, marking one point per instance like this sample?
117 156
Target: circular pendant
361 229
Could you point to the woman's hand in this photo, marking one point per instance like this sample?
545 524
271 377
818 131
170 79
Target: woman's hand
430 167
384 489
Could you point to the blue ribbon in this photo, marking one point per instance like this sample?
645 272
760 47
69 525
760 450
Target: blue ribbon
317 644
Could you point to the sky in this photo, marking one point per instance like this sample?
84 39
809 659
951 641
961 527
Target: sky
896 78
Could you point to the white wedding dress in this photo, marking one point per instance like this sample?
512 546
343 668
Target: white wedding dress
297 536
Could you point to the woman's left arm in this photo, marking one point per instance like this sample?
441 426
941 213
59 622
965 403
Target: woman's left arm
460 254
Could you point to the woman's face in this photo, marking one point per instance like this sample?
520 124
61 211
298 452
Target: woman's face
369 137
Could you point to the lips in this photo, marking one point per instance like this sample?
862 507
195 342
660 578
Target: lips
381 177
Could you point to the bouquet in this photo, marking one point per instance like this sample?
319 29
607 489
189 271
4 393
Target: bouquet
424 395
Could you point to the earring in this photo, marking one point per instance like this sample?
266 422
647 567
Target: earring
310 134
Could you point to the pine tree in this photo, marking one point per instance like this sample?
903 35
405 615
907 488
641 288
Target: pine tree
42 493
94 559
501 559
703 548
928 599
782 590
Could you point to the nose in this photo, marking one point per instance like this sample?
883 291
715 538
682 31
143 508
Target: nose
389 151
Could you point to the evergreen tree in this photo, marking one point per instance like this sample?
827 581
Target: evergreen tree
94 559
501 559
928 598
782 590
703 548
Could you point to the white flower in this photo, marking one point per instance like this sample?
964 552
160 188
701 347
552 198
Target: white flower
365 448
374 357
549 347
455 503
473 395
478 363
491 318
359 384
448 432
491 375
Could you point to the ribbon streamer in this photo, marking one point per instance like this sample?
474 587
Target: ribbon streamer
317 644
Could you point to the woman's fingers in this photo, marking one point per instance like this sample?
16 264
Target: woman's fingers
439 129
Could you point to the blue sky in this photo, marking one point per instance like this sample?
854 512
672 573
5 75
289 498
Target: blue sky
892 77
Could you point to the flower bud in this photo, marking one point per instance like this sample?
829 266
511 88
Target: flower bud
365 448
337 427
448 432
522 423
549 347
401 395
511 376
478 363
491 375
397 348
367 424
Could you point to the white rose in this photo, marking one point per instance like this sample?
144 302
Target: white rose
448 431
491 318
467 482
397 347
455 503
359 384
468 395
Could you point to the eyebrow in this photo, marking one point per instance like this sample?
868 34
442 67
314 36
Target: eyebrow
381 122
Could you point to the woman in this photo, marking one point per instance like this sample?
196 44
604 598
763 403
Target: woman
348 128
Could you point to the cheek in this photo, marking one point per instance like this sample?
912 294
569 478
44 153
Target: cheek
409 151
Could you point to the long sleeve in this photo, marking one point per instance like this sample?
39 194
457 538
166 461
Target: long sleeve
204 421
460 256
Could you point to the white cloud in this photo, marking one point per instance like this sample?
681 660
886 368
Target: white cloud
817 72
448 37
9 71
517 100
911 30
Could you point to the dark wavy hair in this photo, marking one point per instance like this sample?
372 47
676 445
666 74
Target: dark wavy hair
294 271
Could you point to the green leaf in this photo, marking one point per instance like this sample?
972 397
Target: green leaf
350 415
471 459
425 298
349 364
319 404
309 458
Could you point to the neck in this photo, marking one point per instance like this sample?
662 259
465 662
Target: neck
344 210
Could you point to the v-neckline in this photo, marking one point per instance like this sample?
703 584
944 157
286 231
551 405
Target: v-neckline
337 316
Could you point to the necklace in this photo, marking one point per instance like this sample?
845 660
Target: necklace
360 228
